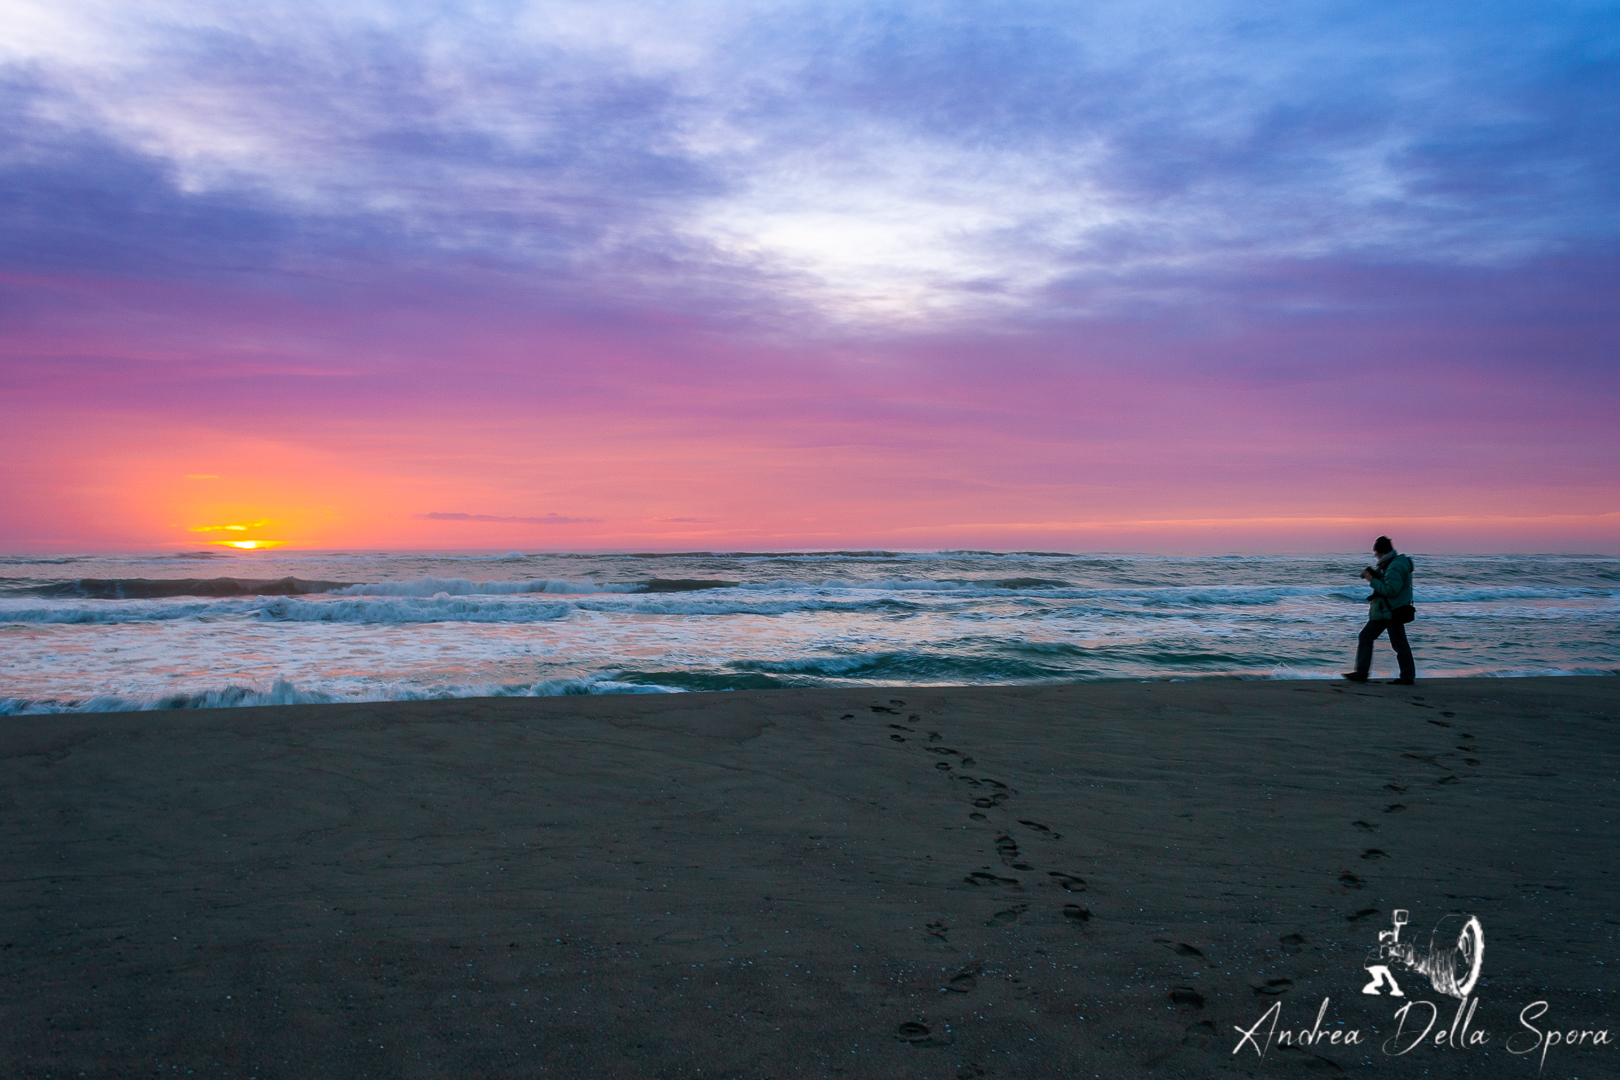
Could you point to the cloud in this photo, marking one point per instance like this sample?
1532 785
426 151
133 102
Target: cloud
823 162
861 262
233 528
549 519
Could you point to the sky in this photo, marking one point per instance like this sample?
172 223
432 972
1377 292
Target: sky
1188 276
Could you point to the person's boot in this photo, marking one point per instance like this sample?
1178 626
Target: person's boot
1354 676
1402 682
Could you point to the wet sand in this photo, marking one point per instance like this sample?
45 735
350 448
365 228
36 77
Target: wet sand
1103 879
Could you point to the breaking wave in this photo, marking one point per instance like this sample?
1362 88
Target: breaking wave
283 692
433 586
155 588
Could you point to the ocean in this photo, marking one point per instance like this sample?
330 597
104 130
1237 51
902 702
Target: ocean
217 628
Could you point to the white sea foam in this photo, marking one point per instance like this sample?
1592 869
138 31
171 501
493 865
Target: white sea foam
819 665
407 609
280 692
1288 671
283 692
433 586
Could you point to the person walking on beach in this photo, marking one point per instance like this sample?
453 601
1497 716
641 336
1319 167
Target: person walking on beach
1390 609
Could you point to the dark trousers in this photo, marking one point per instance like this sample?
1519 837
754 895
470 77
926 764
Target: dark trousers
1397 641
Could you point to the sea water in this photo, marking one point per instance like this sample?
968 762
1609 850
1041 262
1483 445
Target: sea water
201 629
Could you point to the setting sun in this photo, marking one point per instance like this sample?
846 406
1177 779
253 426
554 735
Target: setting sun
242 544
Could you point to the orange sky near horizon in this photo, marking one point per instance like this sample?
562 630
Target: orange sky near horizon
619 490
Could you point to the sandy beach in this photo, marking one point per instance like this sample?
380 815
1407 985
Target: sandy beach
1104 879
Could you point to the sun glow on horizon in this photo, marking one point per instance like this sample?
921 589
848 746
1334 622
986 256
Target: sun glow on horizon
250 545
242 544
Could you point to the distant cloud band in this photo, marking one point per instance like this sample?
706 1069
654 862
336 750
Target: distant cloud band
549 519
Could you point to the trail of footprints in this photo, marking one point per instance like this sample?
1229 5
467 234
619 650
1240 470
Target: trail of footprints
987 795
1348 880
984 796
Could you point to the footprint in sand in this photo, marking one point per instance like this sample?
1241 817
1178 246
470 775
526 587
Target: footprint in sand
1187 997
884 709
1374 853
1273 987
1365 826
1350 881
1010 915
897 738
1396 788
967 761
984 877
1364 913
976 816
1292 943
1007 848
1394 808
1181 948
912 1032
1076 914
962 982
1046 833
1069 882
938 930
1002 792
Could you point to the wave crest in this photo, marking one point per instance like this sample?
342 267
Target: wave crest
283 692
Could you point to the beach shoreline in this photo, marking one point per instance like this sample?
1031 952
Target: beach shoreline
794 882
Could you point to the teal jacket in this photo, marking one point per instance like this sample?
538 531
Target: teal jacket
1394 590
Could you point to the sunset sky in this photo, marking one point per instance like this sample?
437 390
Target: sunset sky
1144 275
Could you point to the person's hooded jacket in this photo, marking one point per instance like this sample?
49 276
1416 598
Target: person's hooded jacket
1394 589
